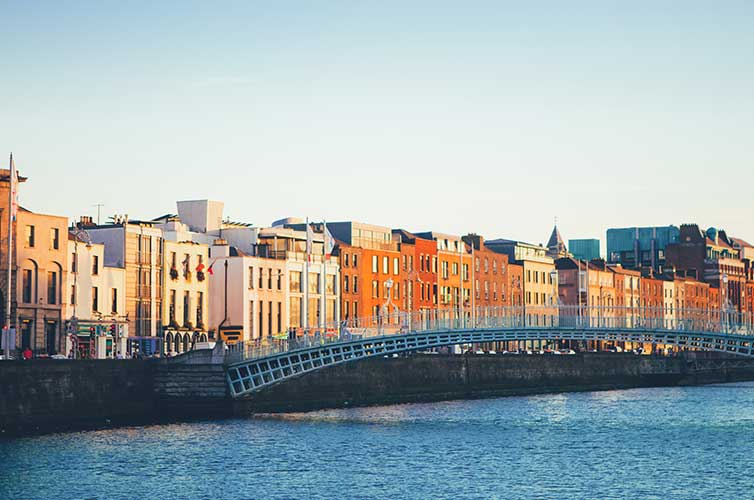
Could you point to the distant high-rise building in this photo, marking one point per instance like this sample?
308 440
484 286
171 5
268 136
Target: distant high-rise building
640 246
585 249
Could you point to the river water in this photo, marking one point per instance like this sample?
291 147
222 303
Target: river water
665 443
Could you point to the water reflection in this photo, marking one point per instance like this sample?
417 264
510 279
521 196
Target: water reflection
648 443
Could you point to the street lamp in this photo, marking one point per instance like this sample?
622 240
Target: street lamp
724 303
386 305
554 302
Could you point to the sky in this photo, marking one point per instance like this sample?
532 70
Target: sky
492 117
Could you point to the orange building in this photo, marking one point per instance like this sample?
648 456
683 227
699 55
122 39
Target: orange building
490 275
377 271
453 273
350 258
419 270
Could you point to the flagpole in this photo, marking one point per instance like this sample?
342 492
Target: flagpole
6 331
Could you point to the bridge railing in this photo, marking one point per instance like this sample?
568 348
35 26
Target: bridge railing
516 317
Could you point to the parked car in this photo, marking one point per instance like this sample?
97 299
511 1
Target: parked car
566 351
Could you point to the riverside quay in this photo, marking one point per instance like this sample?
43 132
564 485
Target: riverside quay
163 286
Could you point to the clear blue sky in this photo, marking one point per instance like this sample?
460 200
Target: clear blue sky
491 117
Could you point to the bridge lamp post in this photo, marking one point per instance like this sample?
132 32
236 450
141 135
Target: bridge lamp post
554 297
386 306
724 304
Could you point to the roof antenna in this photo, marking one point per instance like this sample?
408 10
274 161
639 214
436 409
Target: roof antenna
99 208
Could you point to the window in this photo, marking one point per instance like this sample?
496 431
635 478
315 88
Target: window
434 265
269 279
95 265
345 283
251 319
444 269
397 291
95 299
251 277
27 285
345 260
74 258
295 281
385 265
55 238
261 277
455 268
330 284
269 318
313 282
30 236
171 310
465 271
355 260
280 279
356 308
345 310
280 317
374 264
395 265
52 287
375 289
295 311
199 309
355 284
73 295
114 301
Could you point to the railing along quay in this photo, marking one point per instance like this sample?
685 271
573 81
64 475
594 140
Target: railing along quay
499 318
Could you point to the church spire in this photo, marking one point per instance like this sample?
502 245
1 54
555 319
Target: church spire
556 247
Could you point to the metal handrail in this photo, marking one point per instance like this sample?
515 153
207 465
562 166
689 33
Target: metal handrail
509 317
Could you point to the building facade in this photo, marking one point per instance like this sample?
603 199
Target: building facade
95 311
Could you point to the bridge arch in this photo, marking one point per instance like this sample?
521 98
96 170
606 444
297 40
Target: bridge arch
251 375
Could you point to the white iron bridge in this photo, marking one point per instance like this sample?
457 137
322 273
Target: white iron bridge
255 365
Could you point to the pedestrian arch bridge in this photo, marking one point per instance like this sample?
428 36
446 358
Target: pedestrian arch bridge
252 366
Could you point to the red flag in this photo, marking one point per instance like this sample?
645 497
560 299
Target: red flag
209 269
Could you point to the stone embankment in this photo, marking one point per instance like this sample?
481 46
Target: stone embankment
52 395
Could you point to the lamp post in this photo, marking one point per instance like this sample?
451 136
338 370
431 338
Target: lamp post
386 305
724 304
78 234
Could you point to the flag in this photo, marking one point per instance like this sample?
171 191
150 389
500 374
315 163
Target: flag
209 269
13 189
200 268
329 242
309 237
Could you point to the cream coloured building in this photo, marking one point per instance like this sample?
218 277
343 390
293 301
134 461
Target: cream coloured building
186 295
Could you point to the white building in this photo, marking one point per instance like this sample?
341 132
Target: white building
96 309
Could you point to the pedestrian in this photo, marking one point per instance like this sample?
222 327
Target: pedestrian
27 354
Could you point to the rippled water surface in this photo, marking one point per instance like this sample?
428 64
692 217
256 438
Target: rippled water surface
695 442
